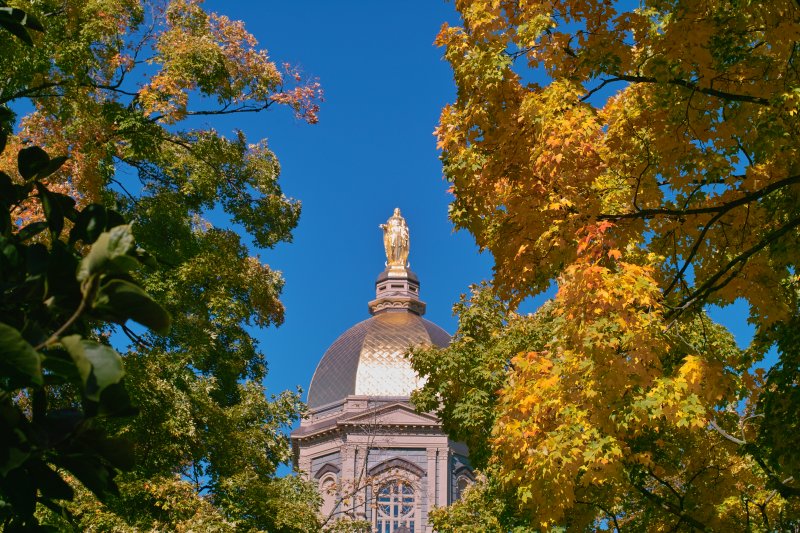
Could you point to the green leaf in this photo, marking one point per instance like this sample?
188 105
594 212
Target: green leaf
31 230
109 252
115 402
16 29
89 225
5 222
98 365
12 458
146 258
23 495
15 448
31 161
50 483
8 193
18 16
18 358
114 219
6 118
121 300
58 362
52 210
36 258
92 473
52 166
10 253
16 20
117 451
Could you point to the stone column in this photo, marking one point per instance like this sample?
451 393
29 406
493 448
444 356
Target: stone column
348 474
443 469
430 499
304 463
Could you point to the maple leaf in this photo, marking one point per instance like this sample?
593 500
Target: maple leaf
667 133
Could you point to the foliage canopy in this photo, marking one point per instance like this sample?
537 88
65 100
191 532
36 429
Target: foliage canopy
56 383
655 173
125 89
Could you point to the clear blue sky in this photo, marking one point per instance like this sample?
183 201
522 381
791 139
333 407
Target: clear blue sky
373 150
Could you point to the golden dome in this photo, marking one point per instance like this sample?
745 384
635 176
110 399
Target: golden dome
369 358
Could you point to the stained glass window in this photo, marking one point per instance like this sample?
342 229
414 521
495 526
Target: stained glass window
396 507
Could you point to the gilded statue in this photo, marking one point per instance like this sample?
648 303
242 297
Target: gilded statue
395 240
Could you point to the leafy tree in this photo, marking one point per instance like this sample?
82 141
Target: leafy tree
18 22
121 86
57 383
473 367
348 525
652 175
554 454
481 509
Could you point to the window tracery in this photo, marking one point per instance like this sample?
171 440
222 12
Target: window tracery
396 507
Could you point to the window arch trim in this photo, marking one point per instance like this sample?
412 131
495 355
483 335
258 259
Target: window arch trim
397 464
327 468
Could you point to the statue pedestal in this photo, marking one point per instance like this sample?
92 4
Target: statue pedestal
397 271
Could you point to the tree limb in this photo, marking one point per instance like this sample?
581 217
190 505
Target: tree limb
747 198
695 87
670 507
708 286
715 426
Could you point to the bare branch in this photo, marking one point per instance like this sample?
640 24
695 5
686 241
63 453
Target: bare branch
670 507
598 88
713 424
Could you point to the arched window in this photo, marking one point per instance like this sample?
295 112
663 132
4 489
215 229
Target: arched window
462 483
327 489
396 507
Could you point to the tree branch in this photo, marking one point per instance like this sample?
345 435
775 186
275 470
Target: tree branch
225 111
32 92
692 253
747 198
696 88
89 290
29 91
606 511
598 88
707 287
670 507
713 424
781 486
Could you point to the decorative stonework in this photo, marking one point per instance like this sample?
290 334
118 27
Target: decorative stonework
397 304
328 468
363 451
